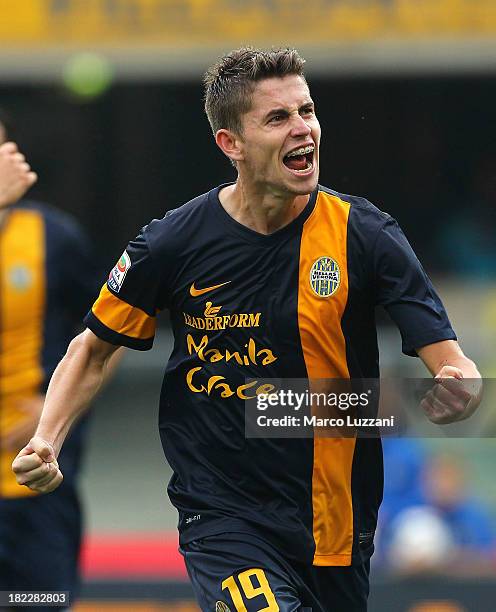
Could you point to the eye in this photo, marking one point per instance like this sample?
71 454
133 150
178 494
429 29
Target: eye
307 110
276 119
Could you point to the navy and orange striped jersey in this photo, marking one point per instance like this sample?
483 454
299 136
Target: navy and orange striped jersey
47 283
246 306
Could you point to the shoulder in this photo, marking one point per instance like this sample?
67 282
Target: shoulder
178 226
63 224
365 219
360 207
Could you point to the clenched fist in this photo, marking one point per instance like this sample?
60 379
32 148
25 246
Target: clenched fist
36 467
453 397
16 176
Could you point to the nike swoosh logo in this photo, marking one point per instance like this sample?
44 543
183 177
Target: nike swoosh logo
196 292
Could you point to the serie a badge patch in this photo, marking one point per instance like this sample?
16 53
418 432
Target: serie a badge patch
118 272
325 276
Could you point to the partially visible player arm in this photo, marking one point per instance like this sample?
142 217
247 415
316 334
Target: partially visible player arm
21 431
75 382
458 391
16 176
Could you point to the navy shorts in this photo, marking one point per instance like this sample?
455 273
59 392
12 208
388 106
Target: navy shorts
39 543
238 573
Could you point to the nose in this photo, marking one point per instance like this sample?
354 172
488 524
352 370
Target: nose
299 126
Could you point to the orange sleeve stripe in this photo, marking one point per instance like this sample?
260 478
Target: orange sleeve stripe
123 318
324 350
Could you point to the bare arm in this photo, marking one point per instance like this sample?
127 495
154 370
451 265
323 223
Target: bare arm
20 432
447 353
74 384
458 391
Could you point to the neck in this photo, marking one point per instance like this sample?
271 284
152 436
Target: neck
259 209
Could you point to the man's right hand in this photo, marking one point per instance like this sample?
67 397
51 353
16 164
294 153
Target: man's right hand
36 467
16 176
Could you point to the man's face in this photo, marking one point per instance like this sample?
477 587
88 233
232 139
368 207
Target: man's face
281 136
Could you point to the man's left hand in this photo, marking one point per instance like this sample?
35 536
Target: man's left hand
453 397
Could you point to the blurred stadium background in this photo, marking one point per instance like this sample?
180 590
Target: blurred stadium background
106 98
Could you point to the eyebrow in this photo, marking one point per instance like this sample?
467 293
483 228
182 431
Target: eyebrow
284 111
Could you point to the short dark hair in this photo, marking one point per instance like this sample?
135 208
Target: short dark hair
230 82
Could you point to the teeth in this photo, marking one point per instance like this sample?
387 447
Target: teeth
301 151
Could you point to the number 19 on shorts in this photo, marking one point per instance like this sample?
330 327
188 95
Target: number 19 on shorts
253 582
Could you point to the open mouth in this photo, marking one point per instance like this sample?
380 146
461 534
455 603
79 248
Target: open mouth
301 159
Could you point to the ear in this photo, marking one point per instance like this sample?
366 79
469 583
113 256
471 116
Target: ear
230 144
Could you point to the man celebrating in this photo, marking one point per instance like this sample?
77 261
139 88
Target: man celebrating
273 276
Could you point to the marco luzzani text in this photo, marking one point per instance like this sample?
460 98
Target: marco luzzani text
296 401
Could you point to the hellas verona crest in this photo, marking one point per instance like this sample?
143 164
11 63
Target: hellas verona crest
325 276
220 606
118 272
20 277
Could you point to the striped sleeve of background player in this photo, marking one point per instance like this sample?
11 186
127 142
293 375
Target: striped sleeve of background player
405 291
125 311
